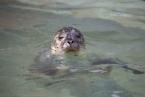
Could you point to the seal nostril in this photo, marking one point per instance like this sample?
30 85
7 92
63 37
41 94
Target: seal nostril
70 41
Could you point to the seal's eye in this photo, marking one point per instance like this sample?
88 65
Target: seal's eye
78 36
60 37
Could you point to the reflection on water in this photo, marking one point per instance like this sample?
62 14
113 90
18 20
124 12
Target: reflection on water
112 29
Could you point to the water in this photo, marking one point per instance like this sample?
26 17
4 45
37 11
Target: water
113 29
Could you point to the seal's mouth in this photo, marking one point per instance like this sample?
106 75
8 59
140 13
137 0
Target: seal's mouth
71 46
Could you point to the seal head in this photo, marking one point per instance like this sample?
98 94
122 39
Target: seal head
67 39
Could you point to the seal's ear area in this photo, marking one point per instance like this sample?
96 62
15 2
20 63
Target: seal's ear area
53 43
81 38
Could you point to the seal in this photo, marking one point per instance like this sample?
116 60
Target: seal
67 39
56 62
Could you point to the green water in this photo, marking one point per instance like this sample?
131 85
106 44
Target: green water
25 32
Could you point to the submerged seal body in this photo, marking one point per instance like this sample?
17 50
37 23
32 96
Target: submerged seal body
67 39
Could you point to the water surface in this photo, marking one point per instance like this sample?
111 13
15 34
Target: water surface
111 29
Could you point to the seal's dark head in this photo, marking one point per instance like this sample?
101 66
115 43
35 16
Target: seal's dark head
68 39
